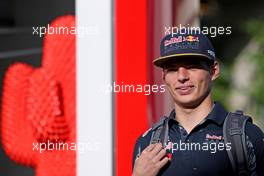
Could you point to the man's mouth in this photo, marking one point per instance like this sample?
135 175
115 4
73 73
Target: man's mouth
184 90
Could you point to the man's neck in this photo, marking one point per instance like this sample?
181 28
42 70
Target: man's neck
191 117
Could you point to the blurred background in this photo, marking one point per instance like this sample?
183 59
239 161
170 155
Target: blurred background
18 44
241 55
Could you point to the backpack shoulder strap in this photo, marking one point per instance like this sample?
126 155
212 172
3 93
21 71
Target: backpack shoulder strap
160 131
234 133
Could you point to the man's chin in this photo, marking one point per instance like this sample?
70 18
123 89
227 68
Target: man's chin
187 102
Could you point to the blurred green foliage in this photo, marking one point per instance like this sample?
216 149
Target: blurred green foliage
222 87
255 29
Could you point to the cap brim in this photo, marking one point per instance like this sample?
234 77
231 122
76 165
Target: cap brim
159 62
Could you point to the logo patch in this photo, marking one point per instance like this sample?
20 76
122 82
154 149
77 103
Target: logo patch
173 40
213 137
211 53
191 38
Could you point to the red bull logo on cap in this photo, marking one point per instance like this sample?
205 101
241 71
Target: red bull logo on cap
173 40
191 38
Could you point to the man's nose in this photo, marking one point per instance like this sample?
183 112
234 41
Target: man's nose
183 74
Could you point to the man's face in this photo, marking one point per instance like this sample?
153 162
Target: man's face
189 80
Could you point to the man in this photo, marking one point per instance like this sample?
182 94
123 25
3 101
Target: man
195 135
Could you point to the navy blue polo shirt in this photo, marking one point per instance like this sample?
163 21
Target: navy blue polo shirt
202 151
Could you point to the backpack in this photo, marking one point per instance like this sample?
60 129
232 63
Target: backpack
241 154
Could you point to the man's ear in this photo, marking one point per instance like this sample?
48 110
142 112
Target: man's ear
215 70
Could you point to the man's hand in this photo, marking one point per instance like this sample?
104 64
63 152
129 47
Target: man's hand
150 161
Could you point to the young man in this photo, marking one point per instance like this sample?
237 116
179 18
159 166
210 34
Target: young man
195 135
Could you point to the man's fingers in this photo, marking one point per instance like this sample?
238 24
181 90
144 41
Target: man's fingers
151 160
160 155
158 147
163 162
150 147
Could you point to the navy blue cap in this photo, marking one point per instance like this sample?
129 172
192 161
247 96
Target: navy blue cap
185 45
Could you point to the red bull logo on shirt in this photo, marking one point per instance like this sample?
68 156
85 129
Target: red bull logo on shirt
214 137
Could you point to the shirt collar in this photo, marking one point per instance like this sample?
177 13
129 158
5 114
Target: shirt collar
217 114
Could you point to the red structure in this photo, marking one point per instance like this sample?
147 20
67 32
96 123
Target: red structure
38 107
131 65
